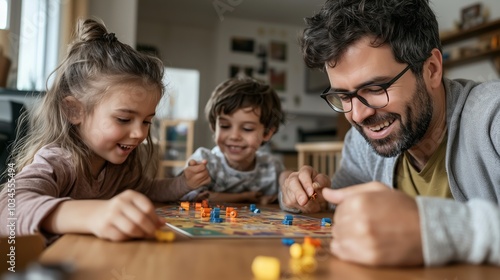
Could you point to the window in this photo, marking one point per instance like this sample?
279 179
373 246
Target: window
38 42
4 14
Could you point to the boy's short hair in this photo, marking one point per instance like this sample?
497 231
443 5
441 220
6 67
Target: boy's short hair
244 92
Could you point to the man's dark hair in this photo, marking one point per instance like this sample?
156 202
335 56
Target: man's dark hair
409 27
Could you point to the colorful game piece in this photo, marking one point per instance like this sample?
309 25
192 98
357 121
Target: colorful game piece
287 222
205 212
233 214
287 241
326 222
313 196
165 236
303 261
252 207
204 203
216 220
266 268
185 205
296 250
313 241
308 249
308 264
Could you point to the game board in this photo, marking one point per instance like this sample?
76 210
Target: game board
266 224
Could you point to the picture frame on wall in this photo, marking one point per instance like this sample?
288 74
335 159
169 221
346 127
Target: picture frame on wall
241 44
277 79
472 15
277 50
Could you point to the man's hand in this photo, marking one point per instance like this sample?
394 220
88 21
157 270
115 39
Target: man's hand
375 225
196 174
299 187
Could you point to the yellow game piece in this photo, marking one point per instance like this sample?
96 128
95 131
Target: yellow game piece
308 249
266 268
166 236
296 250
296 266
308 264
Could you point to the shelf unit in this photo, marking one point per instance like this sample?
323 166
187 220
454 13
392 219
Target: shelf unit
176 145
493 52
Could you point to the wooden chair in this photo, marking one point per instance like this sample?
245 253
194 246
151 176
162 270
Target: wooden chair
322 156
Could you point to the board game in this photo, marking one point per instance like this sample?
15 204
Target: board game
247 224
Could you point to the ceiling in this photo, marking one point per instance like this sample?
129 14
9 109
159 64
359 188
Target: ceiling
203 12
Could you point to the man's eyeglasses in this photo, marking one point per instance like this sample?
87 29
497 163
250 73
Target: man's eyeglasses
373 96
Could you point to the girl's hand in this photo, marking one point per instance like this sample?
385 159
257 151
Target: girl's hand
196 174
127 215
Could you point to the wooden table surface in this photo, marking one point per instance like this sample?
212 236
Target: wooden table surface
220 259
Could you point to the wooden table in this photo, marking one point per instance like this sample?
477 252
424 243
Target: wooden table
219 259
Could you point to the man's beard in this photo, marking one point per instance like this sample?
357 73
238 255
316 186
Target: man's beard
418 115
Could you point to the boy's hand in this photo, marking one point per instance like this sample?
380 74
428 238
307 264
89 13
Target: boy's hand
267 199
196 174
259 198
127 215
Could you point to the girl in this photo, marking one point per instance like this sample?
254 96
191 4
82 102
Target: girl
82 166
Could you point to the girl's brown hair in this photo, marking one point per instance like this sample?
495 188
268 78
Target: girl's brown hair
95 61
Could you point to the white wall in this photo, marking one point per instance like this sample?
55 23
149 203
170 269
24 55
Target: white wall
448 12
190 47
120 17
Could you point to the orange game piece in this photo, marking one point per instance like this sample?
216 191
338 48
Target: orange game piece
228 211
313 196
313 241
205 212
204 203
185 205
233 214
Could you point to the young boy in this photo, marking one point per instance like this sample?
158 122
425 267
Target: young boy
243 114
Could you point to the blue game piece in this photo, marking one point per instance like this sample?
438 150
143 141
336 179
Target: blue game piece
216 220
289 217
287 241
257 210
287 222
252 207
324 221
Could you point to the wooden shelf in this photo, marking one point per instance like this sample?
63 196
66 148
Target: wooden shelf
474 32
472 58
471 32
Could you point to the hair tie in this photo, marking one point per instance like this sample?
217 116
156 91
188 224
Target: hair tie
110 37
